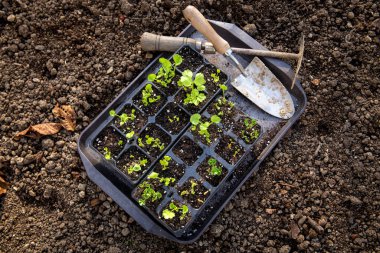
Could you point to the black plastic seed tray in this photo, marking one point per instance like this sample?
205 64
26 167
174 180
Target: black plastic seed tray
190 153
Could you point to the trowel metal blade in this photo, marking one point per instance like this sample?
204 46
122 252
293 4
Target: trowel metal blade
264 89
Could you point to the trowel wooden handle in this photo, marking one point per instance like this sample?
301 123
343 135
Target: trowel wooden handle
200 23
153 42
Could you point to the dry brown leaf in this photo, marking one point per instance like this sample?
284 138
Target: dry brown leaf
67 115
39 130
3 186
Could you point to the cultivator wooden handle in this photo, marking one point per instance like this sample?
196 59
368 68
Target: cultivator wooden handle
153 42
200 23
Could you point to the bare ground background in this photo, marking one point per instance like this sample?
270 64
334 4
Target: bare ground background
83 53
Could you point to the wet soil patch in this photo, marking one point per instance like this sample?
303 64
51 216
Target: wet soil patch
229 150
187 150
206 172
194 193
173 118
133 163
110 139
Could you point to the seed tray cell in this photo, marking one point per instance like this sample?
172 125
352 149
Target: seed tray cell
133 164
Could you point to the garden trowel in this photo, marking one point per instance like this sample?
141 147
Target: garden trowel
256 82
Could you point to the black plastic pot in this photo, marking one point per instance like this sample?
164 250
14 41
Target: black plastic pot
121 187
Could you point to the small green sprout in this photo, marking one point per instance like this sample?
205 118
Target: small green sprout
215 169
175 118
137 166
223 88
124 117
154 142
107 154
165 162
249 133
202 127
193 86
148 193
120 142
130 134
165 180
140 142
169 213
166 72
193 184
148 95
215 76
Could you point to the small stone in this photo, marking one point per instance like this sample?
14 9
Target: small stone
48 191
19 161
32 193
354 200
23 30
70 80
60 143
350 15
128 75
285 249
125 231
82 187
110 70
82 194
11 18
47 143
217 230
248 9
250 28
304 245
39 47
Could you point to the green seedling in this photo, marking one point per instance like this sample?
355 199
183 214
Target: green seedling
194 87
202 127
215 169
148 95
223 102
165 162
137 166
215 76
165 180
193 184
124 117
223 88
154 142
175 118
130 134
148 194
120 142
166 72
107 154
169 213
249 133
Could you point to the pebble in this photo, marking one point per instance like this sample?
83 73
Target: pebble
250 28
47 143
48 191
285 249
82 194
82 187
11 18
23 30
125 232
217 229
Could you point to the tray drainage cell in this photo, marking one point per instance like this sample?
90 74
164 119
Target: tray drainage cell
187 150
169 87
109 143
247 129
130 119
149 99
133 163
175 214
205 131
214 77
226 110
212 171
149 194
173 118
229 149
169 169
153 140
194 193
191 59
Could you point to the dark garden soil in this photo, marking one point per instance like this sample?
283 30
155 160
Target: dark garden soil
229 149
174 170
150 108
194 193
248 133
191 60
151 205
131 157
187 150
213 129
176 223
136 125
204 170
173 118
225 110
154 131
211 85
111 139
191 108
318 191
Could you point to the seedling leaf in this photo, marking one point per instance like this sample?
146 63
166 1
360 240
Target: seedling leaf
167 214
195 119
